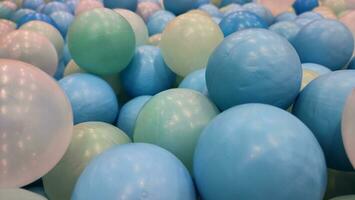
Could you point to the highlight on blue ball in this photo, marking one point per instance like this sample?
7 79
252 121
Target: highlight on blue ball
54 6
287 29
16 16
32 4
179 7
196 81
158 21
62 20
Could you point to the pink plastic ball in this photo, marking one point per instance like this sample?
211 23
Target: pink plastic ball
87 5
146 9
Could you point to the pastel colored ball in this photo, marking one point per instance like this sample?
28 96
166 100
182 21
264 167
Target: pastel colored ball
174 120
30 47
188 41
325 97
319 69
101 48
125 4
348 19
252 66
6 11
84 6
261 11
129 113
211 9
20 13
54 6
179 7
158 21
196 81
144 171
277 6
35 123
240 20
287 29
227 2
89 140
252 151
147 9
91 98
35 16
302 6
63 20
19 194
285 16
71 4
326 42
32 4
6 26
147 74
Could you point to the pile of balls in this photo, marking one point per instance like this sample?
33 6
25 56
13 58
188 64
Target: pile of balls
177 99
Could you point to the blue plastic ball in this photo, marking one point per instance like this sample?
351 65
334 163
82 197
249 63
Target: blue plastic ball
319 69
147 74
217 20
16 16
158 21
179 7
135 171
254 66
32 4
92 98
35 16
261 11
63 20
211 9
285 16
55 6
240 20
233 8
310 15
196 81
129 113
258 152
302 6
71 4
202 2
352 64
126 4
287 29
227 2
320 106
325 42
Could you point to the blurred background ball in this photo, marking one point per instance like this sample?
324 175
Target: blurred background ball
158 21
196 81
179 7
277 6
35 123
348 128
319 69
62 20
261 11
54 6
32 4
125 4
147 9
87 5
35 17
19 194
287 29
301 6
16 16
6 26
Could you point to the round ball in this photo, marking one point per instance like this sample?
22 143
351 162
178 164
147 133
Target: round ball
211 9
35 17
261 11
158 21
254 66
84 6
287 29
277 6
320 106
147 9
32 4
19 194
54 6
196 81
179 7
285 16
144 171
261 147
89 140
302 6
36 123
188 41
20 13
6 27
125 4
63 20
91 98
101 48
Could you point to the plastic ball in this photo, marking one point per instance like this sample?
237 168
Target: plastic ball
54 6
6 27
89 140
301 6
287 29
84 6
147 74
188 41
211 9
30 47
35 123
325 97
19 194
101 48
72 4
32 4
349 19
259 146
91 98
129 113
6 11
231 8
144 171
310 15
158 21
240 20
137 24
154 40
261 11
319 69
125 4
147 9
162 121
227 2
348 128
255 70
196 81
62 20
35 16
48 31
277 6
16 16
179 7
285 16
321 41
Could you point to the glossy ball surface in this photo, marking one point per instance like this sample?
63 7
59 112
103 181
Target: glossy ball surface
35 16
158 21
125 4
63 20
287 29
196 81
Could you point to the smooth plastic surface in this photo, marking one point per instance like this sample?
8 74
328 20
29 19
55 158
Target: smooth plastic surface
54 6
277 6
147 9
125 4
158 21
287 29
63 20
6 26
87 5
261 11
301 6
196 81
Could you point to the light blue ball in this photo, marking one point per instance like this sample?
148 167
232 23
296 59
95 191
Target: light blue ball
227 2
319 69
196 81
233 8
320 106
71 4
217 20
63 20
60 70
91 98
5 11
254 66
135 171
35 16
352 64
32 4
258 152
147 74
287 29
302 6
126 4
325 42
179 7
240 20
202 2
129 113
261 11
285 16
310 15
158 21
16 16
211 9
55 6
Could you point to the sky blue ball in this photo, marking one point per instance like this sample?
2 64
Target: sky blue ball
257 151
16 16
71 4
227 2
302 6
285 16
147 74
233 8
211 9
326 42
319 69
129 113
352 64
310 15
35 16
32 4
260 10
91 98
196 81
126 4
254 66
217 20
287 29
179 7
135 171
158 21
63 20
240 20
320 106
54 6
